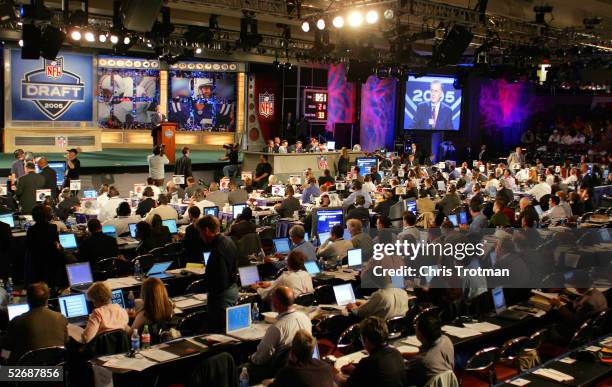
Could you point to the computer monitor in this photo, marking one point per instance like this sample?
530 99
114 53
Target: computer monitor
79 274
214 211
171 224
499 301
249 275
365 164
237 209
206 255
110 231
327 218
8 219
278 190
344 294
538 209
411 206
132 227
74 305
281 245
68 241
90 194
354 258
312 268
60 170
453 219
237 318
463 217
117 298
15 310
331 145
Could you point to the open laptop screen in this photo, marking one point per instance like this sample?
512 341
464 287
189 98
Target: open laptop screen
312 268
90 194
8 219
73 306
132 227
354 257
214 211
499 301
15 310
237 210
206 255
344 294
248 275
68 241
171 224
237 318
79 273
110 231
158 268
281 245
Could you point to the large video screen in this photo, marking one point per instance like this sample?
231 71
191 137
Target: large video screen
432 103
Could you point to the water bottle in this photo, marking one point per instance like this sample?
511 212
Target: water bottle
256 219
69 223
145 338
186 198
135 341
137 272
244 378
255 312
9 289
129 305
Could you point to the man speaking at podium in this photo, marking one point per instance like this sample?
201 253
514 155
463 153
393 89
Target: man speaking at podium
433 114
156 120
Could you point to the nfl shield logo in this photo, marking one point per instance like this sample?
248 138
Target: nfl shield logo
54 68
266 104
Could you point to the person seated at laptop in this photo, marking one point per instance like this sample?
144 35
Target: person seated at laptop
44 257
360 239
302 369
109 210
67 205
336 247
359 211
409 222
40 327
147 203
499 218
436 355
384 207
143 235
298 243
236 195
312 190
154 306
123 219
424 203
173 189
388 301
243 225
160 234
450 201
192 243
163 210
555 212
215 195
279 336
97 245
383 367
102 195
289 205
295 278
106 316
326 178
192 186
199 200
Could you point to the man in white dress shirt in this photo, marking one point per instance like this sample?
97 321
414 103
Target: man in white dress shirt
540 189
295 278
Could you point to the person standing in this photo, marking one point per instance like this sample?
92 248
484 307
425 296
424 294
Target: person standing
73 167
290 127
183 165
17 168
156 120
231 155
221 272
27 186
156 162
262 171
50 176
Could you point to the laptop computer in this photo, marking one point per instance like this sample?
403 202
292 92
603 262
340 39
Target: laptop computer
68 241
331 145
281 245
499 301
323 236
354 258
453 219
90 194
79 276
132 227
117 298
171 224
214 211
344 294
74 308
278 190
538 209
411 206
15 310
8 219
249 275
158 270
206 255
237 210
312 268
110 231
238 323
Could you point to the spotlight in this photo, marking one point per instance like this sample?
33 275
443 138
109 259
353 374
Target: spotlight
90 37
127 40
75 35
305 26
20 42
388 14
355 19
338 22
198 50
114 39
321 24
371 17
102 38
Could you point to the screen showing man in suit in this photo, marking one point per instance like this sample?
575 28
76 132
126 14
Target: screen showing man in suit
432 103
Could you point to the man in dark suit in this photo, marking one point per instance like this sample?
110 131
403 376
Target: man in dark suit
50 176
270 148
98 245
156 120
433 114
483 155
39 328
27 186
192 243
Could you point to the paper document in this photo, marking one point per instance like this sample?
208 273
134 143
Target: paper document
412 340
407 349
520 382
138 363
459 332
482 327
555 375
350 358
158 354
187 303
201 296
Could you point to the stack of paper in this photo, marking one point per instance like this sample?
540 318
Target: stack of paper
182 304
482 327
552 374
407 349
459 332
350 358
137 363
158 354
412 340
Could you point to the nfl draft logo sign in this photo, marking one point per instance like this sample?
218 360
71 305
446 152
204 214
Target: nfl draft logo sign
266 104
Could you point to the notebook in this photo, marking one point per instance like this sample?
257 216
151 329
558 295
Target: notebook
344 294
158 270
74 308
15 310
281 245
249 275
79 276
238 323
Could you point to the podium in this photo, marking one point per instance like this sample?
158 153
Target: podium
167 137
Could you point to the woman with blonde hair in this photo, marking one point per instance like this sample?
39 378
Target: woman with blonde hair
343 162
106 316
157 306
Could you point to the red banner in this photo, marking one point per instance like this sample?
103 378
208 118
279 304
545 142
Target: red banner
267 100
